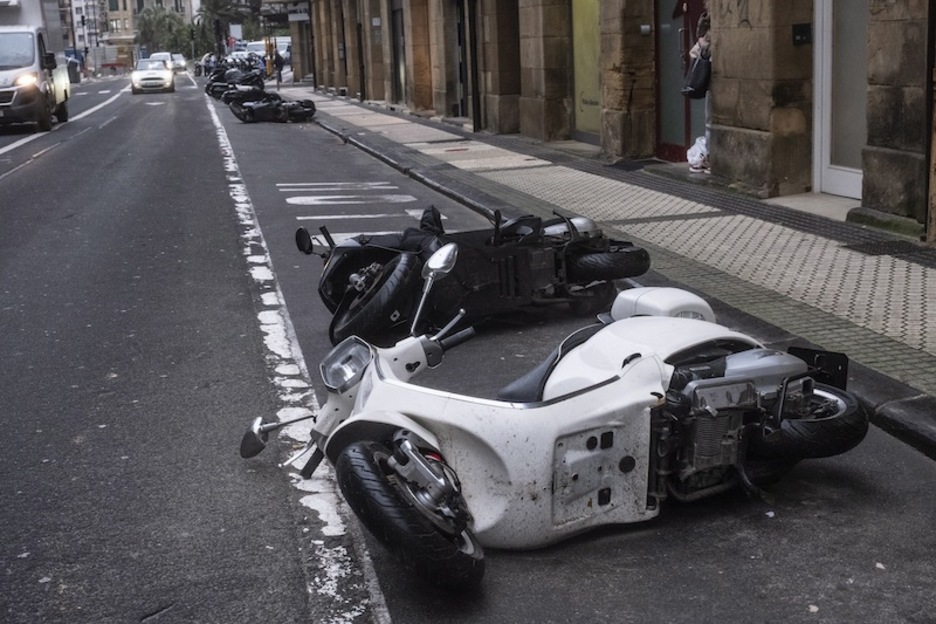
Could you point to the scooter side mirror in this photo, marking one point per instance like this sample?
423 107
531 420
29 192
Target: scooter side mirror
304 241
441 262
254 440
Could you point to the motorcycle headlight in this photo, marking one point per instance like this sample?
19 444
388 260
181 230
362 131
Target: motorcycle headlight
343 366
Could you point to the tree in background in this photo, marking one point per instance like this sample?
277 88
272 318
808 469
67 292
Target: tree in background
159 29
226 11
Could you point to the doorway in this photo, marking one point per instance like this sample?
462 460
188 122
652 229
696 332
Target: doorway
680 119
841 87
586 76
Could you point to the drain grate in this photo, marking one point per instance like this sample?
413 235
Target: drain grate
884 248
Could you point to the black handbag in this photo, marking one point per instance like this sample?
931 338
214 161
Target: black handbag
698 77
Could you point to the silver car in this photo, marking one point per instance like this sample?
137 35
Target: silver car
152 75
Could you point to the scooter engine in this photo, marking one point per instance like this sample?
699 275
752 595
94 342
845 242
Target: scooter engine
711 401
714 441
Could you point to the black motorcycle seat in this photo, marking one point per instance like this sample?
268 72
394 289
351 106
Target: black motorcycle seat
529 388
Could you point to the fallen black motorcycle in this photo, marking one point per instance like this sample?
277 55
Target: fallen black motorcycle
243 93
371 284
271 107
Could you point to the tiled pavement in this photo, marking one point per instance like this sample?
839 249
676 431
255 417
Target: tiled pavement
847 288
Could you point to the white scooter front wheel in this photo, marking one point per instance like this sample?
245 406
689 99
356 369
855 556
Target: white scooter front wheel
453 560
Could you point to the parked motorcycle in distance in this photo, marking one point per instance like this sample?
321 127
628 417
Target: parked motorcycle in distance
619 418
232 73
371 283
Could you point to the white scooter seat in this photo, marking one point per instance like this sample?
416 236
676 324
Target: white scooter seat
529 387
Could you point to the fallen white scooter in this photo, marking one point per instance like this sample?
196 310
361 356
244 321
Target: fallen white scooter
657 402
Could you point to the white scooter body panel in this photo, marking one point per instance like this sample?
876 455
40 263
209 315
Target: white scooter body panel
645 336
533 474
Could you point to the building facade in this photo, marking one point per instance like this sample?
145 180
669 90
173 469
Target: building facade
831 96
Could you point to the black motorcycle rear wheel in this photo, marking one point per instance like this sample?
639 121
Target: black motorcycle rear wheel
381 306
607 265
450 561
837 424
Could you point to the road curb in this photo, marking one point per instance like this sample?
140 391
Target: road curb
899 409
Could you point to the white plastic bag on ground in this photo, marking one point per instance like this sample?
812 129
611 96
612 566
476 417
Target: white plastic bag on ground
697 153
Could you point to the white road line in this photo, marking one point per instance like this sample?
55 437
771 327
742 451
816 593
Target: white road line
311 200
385 215
410 214
291 377
289 186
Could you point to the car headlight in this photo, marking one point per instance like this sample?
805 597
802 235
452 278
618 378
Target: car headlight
344 365
26 80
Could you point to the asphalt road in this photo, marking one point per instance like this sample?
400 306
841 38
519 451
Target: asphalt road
133 357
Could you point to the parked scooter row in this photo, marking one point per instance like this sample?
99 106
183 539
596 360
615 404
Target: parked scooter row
240 85
655 402
234 74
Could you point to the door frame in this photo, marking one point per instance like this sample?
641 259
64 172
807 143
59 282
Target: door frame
668 151
827 178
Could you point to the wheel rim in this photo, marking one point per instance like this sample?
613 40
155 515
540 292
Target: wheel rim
372 285
825 405
451 522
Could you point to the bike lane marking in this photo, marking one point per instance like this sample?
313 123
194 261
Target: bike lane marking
338 572
333 200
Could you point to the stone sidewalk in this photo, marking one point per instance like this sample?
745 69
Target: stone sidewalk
868 293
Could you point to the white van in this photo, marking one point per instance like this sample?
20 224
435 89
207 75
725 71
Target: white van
283 44
34 81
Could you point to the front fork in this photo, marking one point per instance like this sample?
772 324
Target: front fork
412 466
430 485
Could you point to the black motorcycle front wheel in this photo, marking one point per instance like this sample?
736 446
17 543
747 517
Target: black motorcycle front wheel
834 422
242 112
618 263
381 306
450 561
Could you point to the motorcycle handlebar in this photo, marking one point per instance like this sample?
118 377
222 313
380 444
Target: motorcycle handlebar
457 338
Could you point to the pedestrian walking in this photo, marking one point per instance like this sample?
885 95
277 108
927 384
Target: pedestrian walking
278 63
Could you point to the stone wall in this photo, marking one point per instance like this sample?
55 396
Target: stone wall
628 116
761 95
418 85
499 48
443 52
545 69
374 67
894 160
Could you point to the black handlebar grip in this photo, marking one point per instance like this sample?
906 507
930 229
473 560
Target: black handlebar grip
457 338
